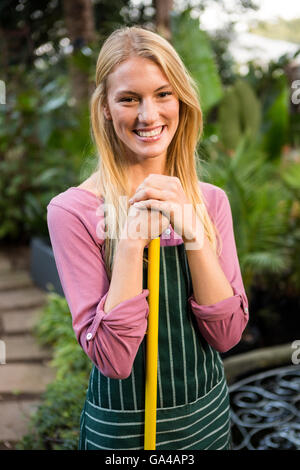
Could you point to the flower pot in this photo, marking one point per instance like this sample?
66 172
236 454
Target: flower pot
43 269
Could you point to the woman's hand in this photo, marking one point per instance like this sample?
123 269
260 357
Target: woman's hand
144 225
165 194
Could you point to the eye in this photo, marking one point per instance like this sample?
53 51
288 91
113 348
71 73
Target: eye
163 94
126 100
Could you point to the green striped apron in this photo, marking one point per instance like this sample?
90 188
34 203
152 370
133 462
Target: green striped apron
192 396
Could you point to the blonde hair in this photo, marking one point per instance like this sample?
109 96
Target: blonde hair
111 175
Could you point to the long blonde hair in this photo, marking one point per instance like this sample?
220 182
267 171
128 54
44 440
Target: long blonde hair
182 159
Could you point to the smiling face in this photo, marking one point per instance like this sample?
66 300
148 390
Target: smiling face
143 108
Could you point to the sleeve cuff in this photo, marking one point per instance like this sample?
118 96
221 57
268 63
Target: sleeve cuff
220 310
128 313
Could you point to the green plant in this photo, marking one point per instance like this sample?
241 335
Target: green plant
44 148
193 45
272 84
55 425
261 208
239 114
277 120
290 176
55 323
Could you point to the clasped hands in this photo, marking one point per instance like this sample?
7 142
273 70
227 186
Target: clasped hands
165 193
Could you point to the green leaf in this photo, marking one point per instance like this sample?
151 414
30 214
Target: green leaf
54 103
44 128
46 176
260 207
291 176
193 45
277 118
27 101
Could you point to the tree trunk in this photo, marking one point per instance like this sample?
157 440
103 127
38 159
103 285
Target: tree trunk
16 47
79 19
163 9
3 55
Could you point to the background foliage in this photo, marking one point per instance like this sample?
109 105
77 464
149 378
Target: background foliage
250 148
55 426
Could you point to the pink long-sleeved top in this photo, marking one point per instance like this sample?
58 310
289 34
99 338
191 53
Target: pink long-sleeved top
111 340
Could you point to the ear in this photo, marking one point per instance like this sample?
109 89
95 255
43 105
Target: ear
106 112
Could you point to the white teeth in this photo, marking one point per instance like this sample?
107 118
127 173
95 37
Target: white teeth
151 133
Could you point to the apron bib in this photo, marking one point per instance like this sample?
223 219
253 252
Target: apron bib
193 409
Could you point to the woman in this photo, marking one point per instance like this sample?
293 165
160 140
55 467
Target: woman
146 122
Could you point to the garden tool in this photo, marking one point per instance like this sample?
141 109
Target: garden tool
152 345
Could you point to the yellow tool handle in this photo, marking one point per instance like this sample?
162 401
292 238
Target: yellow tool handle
152 345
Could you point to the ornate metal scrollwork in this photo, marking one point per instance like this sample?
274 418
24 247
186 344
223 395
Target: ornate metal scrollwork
265 410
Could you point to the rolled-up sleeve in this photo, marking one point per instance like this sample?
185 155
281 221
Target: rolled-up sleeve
223 323
111 340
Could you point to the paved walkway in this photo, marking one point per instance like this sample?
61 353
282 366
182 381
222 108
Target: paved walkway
26 371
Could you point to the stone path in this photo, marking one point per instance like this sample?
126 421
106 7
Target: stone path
26 371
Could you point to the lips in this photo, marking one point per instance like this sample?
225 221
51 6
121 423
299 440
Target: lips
147 129
151 136
152 132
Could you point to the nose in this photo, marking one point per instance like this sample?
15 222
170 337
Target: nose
147 112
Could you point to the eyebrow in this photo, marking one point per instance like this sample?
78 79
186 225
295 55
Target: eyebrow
121 92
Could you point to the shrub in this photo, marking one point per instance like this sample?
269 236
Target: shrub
45 148
55 425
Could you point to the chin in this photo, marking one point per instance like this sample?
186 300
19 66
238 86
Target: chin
153 154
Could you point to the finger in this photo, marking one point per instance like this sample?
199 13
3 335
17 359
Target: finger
153 204
149 193
160 180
